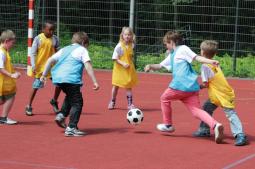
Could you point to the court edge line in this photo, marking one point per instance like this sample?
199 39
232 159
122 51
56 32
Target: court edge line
34 165
239 161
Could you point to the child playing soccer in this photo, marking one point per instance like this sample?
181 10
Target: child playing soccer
44 46
184 85
67 74
220 94
123 74
8 76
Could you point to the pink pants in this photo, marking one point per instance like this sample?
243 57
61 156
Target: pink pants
190 99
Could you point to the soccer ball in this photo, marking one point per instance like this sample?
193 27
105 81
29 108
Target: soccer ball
135 116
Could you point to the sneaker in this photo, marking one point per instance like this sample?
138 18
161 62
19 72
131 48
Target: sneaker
28 111
7 121
241 140
218 131
111 105
60 120
73 132
54 104
201 133
131 107
165 128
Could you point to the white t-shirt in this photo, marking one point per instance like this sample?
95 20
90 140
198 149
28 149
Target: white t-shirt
80 53
2 59
206 73
118 51
183 53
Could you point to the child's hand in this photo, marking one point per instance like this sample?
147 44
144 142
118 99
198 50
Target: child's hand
147 68
43 79
16 75
96 86
125 65
33 70
215 62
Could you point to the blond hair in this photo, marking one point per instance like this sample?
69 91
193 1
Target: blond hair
209 48
7 35
173 36
130 30
80 38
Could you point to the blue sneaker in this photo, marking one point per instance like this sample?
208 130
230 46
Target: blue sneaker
241 140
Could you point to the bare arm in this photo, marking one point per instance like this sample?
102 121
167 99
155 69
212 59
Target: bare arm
207 61
91 74
149 67
204 85
124 64
12 75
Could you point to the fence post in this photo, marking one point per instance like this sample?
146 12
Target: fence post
131 14
58 15
235 38
30 35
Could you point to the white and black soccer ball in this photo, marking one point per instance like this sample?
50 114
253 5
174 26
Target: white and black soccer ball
135 116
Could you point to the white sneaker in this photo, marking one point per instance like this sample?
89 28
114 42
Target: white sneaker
218 132
164 128
8 121
70 132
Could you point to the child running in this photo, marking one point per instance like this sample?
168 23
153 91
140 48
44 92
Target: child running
44 46
8 76
184 85
124 73
220 94
67 74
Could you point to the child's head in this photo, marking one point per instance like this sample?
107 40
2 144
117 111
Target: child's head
127 35
208 48
7 39
48 28
81 38
171 39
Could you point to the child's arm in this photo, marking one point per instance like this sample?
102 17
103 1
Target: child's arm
47 68
206 61
118 52
124 64
12 75
91 74
204 85
149 67
34 52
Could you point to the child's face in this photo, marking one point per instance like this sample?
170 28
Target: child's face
169 45
127 36
49 30
9 44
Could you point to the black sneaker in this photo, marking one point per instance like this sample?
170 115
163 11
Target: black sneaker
241 140
28 111
201 133
54 104
73 132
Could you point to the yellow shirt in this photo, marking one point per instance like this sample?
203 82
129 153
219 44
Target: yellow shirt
125 77
219 91
44 52
7 84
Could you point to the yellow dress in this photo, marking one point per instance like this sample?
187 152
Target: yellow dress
219 91
44 52
7 84
122 77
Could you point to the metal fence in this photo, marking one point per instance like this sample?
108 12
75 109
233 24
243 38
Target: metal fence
230 22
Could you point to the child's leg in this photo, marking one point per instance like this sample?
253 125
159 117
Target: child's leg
32 96
56 93
193 104
113 98
166 108
7 106
130 99
235 123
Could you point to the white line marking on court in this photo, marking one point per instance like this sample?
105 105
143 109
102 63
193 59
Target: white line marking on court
239 161
33 165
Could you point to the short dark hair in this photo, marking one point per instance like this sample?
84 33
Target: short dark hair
174 36
48 22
